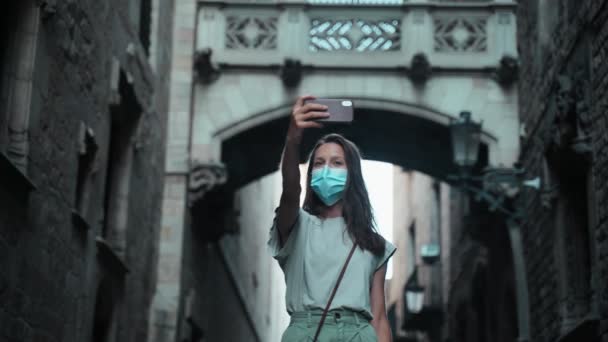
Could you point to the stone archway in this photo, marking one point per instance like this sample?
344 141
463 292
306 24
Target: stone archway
418 139
410 136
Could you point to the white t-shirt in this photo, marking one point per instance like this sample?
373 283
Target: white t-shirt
312 258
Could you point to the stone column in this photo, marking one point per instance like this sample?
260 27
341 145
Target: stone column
19 100
164 310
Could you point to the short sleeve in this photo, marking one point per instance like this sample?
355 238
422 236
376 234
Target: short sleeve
274 242
389 250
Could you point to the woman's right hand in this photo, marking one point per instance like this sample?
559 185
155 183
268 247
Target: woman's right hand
303 116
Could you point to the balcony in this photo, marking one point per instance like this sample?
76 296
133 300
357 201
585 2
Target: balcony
362 34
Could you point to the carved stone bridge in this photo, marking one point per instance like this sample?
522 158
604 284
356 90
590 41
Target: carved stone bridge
410 64
410 67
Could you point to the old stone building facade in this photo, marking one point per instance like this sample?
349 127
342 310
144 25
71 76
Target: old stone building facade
563 46
423 218
83 111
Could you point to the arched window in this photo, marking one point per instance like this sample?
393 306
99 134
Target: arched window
571 223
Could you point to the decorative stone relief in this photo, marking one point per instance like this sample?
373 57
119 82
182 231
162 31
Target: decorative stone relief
291 72
203 178
507 71
571 104
206 71
453 34
572 107
360 35
420 68
258 33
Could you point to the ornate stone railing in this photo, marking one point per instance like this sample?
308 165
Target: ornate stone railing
357 33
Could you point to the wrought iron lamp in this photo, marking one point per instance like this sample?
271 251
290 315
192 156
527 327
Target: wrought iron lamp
497 184
466 137
414 294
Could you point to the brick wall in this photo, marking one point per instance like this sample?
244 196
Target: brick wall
551 36
50 266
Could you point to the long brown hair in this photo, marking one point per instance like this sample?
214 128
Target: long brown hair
357 209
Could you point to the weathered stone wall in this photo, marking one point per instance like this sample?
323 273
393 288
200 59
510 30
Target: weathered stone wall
564 38
240 288
415 206
51 265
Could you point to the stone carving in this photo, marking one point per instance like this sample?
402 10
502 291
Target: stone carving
565 104
291 72
420 68
203 178
572 108
359 35
460 34
251 32
507 71
206 71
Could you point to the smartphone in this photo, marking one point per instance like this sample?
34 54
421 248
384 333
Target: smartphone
340 110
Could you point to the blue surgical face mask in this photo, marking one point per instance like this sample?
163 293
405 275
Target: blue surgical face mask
328 183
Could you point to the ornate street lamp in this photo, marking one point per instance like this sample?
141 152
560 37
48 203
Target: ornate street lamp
466 136
414 294
497 183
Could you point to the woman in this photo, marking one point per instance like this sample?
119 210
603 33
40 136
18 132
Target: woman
311 243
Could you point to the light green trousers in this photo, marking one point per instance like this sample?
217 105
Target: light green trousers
339 326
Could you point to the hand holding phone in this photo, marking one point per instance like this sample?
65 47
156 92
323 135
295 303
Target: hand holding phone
340 110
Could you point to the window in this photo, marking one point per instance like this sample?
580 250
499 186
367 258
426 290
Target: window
125 118
87 152
145 17
572 231
7 36
436 213
436 284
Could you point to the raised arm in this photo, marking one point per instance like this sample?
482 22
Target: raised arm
301 118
